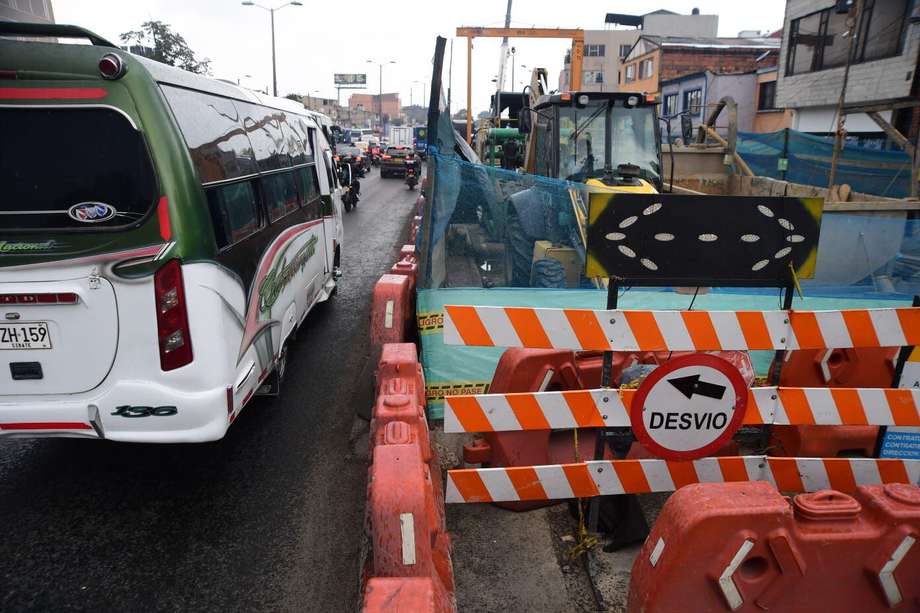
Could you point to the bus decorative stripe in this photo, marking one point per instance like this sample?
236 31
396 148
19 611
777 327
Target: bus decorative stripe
254 325
610 408
49 425
616 330
163 218
114 256
52 93
607 477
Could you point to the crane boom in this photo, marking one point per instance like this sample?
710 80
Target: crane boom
578 52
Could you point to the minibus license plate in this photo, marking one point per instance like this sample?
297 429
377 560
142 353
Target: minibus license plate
25 335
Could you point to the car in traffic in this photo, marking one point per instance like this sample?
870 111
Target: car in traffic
354 157
393 161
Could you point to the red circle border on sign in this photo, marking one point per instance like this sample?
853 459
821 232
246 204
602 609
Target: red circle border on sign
695 359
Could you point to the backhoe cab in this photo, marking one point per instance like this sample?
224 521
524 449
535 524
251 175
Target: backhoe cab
601 139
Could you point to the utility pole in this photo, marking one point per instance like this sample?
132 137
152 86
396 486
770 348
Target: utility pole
853 33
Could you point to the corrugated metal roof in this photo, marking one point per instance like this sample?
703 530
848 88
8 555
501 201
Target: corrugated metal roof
714 43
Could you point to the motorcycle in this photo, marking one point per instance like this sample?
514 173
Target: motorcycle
411 174
351 185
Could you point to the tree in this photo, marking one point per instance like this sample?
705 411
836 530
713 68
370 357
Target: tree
461 114
295 98
169 47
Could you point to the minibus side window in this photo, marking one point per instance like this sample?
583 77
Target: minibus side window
280 195
311 135
234 211
263 126
308 186
329 174
213 132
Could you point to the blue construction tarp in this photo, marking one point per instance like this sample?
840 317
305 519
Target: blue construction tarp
883 173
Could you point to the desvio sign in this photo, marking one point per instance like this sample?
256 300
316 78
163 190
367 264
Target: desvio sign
689 407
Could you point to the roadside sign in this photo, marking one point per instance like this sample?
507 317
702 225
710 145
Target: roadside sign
903 443
689 407
350 79
667 239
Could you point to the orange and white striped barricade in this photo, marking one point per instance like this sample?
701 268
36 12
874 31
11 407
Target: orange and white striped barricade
620 330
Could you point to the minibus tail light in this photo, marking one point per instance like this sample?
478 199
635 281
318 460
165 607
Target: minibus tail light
111 66
172 317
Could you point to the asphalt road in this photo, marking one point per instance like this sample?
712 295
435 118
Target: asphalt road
270 518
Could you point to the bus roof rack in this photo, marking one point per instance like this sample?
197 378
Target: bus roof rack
15 28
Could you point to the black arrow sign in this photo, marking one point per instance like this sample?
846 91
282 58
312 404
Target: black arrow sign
692 385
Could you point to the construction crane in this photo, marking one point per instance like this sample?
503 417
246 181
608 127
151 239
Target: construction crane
578 49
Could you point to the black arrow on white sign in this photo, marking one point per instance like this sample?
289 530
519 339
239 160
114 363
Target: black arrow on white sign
692 385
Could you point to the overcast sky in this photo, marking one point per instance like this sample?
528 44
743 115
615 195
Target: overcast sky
324 37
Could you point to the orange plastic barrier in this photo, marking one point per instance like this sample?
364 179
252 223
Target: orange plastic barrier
866 367
392 310
743 547
399 595
405 503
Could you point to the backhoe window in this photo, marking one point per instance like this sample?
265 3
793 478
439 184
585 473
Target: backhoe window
582 138
635 140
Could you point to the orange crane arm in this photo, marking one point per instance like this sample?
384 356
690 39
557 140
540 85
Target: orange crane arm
578 52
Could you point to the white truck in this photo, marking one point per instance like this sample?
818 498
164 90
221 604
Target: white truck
400 136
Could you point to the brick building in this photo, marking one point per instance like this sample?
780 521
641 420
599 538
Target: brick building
654 59
369 102
883 75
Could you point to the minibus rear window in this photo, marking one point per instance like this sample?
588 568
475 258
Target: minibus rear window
72 169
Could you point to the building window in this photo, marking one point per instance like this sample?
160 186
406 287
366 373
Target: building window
818 41
595 50
693 101
592 76
630 73
624 50
670 105
646 69
766 97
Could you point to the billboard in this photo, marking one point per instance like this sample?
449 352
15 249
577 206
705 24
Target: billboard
350 80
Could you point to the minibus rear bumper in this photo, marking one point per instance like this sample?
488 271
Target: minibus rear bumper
129 411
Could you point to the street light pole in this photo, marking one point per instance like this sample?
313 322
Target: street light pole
424 100
380 90
274 66
271 12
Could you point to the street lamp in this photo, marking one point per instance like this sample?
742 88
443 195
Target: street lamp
272 12
380 91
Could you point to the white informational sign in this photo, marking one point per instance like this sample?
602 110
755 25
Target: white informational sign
903 443
689 407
